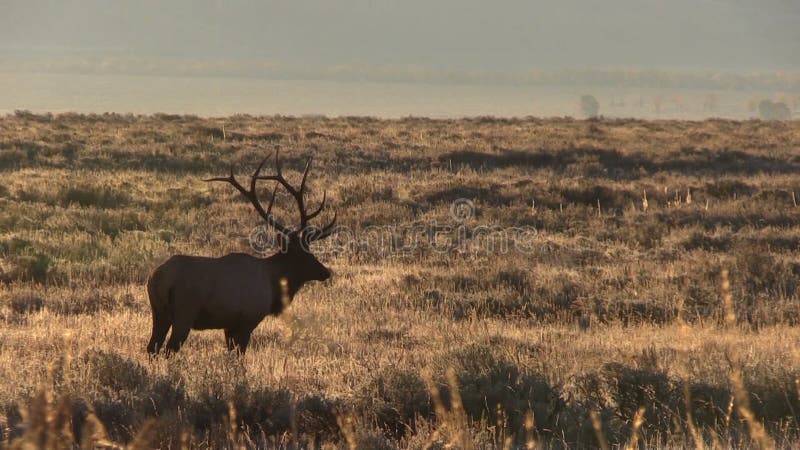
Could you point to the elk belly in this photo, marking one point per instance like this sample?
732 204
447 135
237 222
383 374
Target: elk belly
216 319
218 314
229 313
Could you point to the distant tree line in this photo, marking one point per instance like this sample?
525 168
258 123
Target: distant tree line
590 107
769 110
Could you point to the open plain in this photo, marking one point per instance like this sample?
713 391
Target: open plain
593 314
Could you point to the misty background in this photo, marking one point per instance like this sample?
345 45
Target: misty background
649 58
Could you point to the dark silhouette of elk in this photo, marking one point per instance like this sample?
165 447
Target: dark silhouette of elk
235 292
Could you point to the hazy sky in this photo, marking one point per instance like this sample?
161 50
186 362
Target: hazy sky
500 35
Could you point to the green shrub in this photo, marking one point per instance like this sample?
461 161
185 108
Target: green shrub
105 197
26 302
34 267
11 158
397 397
14 246
114 373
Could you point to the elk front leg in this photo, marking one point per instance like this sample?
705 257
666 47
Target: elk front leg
230 341
238 339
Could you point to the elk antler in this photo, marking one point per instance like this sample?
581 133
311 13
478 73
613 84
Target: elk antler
251 195
307 233
310 234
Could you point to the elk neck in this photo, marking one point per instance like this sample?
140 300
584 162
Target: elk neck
282 266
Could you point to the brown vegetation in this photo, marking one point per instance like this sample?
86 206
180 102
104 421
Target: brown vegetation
616 306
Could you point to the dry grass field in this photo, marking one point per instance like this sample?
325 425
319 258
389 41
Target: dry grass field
607 327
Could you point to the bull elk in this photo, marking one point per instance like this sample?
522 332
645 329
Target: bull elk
236 291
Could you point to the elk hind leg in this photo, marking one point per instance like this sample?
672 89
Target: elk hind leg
161 325
180 331
177 338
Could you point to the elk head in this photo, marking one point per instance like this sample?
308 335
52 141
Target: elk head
295 242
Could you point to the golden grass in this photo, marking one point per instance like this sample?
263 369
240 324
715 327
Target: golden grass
612 328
